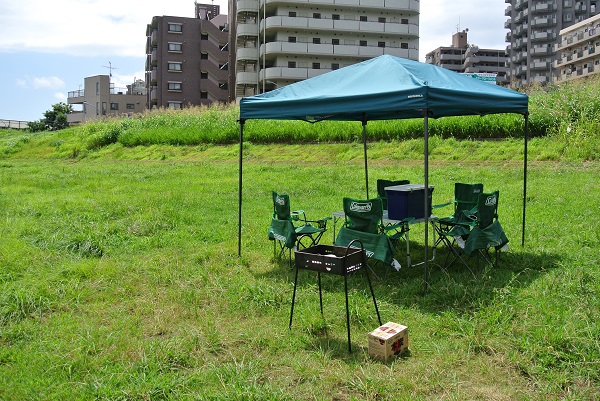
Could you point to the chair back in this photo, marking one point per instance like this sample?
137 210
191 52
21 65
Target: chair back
381 184
281 206
487 209
466 196
363 215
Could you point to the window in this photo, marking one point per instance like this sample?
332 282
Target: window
174 105
203 56
174 47
363 18
380 44
567 3
223 85
316 41
335 66
203 75
174 66
103 108
174 86
404 45
335 41
335 17
363 43
567 17
130 106
381 20
175 27
203 95
292 39
316 66
224 67
292 14
291 64
317 15
114 106
204 36
404 21
97 88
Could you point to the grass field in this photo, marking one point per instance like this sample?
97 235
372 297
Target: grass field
120 280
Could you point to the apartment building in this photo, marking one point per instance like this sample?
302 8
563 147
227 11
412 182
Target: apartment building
187 59
99 98
578 50
534 28
279 42
464 58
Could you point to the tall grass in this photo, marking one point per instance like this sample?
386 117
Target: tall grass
570 110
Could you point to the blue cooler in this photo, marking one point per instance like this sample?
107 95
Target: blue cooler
407 201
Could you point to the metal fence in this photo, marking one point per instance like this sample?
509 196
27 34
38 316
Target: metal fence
14 124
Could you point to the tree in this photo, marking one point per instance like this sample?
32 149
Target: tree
54 119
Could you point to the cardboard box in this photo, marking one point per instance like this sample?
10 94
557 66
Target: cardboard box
388 340
407 201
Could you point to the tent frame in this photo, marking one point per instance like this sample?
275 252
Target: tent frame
425 114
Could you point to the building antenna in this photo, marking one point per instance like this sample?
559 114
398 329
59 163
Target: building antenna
110 68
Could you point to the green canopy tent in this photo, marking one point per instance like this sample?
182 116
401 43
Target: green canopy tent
384 88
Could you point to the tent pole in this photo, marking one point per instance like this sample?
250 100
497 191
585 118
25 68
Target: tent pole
364 124
526 134
426 197
240 190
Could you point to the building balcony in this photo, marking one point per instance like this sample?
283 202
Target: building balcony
448 56
472 70
541 51
543 8
507 12
540 65
247 30
406 6
520 4
246 78
247 6
543 22
276 22
247 53
472 60
542 36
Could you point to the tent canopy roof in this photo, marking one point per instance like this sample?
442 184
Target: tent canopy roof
382 88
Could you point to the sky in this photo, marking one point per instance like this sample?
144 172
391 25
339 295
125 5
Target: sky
47 48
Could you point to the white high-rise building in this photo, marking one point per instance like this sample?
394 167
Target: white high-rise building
278 42
534 28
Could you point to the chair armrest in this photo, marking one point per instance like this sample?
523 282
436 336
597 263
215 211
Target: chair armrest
295 215
443 205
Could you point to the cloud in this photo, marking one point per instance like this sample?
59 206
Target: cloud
60 96
47 83
84 27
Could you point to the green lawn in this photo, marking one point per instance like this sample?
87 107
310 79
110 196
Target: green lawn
120 280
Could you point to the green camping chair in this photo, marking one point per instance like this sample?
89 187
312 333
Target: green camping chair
291 229
487 232
363 221
451 229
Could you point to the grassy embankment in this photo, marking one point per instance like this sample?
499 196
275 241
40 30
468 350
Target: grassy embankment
119 275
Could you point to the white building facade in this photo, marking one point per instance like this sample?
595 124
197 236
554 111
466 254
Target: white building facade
278 42
579 50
